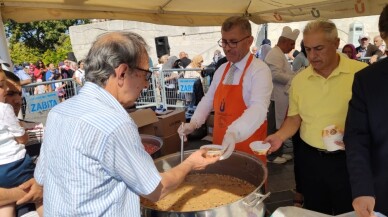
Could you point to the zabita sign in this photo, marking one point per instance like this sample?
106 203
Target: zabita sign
186 85
41 102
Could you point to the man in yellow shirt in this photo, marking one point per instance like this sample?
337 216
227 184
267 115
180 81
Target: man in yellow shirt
318 98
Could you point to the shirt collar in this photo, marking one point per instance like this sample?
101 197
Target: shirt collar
241 64
94 91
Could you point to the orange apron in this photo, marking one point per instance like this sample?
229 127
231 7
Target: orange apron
228 106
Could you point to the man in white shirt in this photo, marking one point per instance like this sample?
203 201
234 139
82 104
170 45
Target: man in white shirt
281 75
239 96
105 166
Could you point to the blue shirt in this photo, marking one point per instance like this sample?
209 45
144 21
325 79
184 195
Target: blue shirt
92 161
48 75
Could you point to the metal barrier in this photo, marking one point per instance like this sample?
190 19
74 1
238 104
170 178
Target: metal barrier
151 96
65 89
171 94
367 59
162 91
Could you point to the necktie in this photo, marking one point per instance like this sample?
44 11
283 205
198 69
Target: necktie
229 78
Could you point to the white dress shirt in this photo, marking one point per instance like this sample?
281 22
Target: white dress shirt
257 88
92 161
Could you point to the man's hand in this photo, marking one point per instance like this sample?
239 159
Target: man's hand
228 143
364 206
198 160
34 192
275 141
373 59
186 129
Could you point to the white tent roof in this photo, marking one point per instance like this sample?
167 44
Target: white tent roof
188 12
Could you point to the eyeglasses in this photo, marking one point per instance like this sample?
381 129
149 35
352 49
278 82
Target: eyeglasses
148 75
232 44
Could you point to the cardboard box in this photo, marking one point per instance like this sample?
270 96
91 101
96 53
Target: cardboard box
171 144
168 124
145 119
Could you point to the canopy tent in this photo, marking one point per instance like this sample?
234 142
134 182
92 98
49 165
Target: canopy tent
186 12
182 12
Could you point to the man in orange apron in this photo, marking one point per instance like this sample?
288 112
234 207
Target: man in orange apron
239 94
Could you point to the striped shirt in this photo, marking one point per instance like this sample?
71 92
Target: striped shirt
92 161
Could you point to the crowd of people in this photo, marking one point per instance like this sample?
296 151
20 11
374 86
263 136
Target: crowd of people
38 72
173 68
366 51
106 168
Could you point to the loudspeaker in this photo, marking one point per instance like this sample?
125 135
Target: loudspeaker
162 47
71 57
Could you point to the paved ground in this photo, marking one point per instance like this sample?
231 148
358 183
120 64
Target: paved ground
281 181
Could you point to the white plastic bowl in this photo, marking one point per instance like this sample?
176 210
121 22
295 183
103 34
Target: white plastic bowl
213 150
260 148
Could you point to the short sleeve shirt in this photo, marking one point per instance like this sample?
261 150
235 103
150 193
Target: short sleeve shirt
321 102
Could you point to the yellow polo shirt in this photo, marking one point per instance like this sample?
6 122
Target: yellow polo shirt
320 101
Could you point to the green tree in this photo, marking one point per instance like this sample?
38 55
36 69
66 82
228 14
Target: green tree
60 53
42 35
20 53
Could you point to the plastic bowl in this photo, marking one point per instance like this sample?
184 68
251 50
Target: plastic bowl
260 148
213 150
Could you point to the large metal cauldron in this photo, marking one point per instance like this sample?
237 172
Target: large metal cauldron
240 165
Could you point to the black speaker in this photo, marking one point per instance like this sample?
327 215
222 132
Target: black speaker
71 57
162 47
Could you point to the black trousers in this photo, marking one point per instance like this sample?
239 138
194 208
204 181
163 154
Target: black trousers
296 140
325 180
271 129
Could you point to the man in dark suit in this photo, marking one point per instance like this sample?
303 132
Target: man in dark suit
366 135
367 49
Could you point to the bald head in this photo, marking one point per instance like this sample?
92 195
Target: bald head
378 41
109 51
182 54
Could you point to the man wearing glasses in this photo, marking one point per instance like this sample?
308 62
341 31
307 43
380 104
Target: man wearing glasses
239 94
92 161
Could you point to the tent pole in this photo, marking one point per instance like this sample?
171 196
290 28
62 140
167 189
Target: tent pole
4 52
